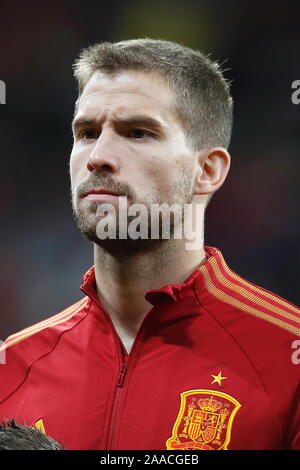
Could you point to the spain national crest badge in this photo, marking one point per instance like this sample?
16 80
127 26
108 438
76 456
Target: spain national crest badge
204 421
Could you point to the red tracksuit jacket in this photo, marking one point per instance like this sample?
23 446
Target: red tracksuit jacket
212 367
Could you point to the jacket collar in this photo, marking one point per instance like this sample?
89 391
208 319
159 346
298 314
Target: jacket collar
168 293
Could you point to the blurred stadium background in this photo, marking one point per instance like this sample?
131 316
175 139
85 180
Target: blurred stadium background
253 219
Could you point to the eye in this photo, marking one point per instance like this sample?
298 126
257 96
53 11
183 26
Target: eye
139 134
88 134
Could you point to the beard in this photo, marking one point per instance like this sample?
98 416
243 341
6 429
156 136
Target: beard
87 218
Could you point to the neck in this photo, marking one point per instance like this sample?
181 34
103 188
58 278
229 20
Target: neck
123 281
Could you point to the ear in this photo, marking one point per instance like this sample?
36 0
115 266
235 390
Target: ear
212 168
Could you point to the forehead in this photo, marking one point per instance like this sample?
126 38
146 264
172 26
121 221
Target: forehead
128 91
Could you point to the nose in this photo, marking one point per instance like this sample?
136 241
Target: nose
104 154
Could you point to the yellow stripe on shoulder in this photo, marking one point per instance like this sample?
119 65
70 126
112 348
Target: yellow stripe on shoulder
265 293
250 291
61 317
243 304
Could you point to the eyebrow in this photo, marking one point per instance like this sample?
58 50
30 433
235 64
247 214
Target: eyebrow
139 120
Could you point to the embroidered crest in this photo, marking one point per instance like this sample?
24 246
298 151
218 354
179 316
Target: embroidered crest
204 421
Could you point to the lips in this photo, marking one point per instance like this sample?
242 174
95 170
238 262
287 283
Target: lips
101 191
102 195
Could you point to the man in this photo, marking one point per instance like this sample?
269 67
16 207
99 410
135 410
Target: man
169 348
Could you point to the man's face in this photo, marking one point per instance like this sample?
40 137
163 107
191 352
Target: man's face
127 139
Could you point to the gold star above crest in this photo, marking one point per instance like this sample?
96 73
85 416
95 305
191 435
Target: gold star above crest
218 378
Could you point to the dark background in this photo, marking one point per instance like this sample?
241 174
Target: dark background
254 217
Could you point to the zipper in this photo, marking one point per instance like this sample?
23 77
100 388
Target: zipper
115 405
121 377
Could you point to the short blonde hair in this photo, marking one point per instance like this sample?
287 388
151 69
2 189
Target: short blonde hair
202 96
